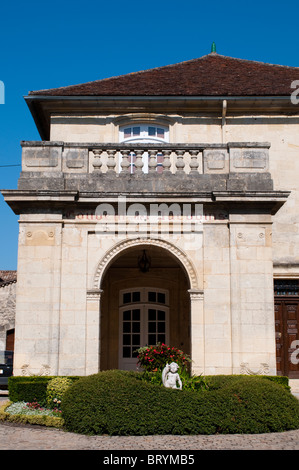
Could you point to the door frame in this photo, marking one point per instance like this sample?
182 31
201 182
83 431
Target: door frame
143 305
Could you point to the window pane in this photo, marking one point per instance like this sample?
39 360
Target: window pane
135 327
126 327
152 314
152 327
286 287
151 131
127 298
126 352
136 340
136 130
161 315
127 315
161 298
126 340
136 314
127 133
161 339
160 133
136 297
151 340
161 327
152 296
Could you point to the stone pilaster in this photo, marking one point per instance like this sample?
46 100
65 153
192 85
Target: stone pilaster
197 330
93 316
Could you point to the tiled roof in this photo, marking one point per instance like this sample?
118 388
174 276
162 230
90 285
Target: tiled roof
7 277
210 75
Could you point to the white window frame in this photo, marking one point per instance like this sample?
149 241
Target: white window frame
143 305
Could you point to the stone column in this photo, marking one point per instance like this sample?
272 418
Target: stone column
197 331
93 316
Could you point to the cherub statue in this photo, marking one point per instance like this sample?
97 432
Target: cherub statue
170 376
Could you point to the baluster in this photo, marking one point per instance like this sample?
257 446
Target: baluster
166 162
97 163
180 164
111 163
194 162
152 163
125 163
139 161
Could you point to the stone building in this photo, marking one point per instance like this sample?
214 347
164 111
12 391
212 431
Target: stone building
161 206
8 281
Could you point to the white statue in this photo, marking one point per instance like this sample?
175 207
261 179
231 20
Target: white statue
170 376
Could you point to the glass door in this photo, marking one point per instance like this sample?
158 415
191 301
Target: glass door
143 322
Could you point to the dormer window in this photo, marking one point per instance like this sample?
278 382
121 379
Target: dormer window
144 133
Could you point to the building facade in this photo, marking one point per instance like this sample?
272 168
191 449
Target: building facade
161 206
8 280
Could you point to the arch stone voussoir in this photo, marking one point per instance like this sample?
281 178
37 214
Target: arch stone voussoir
119 247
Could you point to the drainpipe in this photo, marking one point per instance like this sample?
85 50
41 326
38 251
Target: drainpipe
224 108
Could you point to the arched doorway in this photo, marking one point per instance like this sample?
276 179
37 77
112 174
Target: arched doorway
141 308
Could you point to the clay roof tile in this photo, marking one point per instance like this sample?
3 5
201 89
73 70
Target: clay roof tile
210 75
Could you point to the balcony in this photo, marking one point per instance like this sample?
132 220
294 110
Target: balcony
145 167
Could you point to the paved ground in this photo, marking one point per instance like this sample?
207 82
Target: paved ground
29 437
26 437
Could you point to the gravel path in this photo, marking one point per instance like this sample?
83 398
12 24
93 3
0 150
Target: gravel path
28 437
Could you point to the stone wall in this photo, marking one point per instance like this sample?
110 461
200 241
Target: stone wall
281 131
7 311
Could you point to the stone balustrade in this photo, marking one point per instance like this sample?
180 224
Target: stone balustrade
138 158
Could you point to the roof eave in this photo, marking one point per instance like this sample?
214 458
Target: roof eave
42 117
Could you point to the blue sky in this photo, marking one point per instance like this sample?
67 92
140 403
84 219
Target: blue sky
58 43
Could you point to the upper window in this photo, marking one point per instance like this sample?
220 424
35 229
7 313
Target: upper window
144 133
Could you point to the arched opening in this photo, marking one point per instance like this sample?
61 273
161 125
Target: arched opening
143 301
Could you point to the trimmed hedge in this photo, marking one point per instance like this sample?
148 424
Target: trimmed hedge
29 389
215 382
120 403
34 388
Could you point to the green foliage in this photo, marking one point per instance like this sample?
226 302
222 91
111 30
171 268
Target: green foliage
30 389
215 382
279 379
151 358
194 383
122 403
56 389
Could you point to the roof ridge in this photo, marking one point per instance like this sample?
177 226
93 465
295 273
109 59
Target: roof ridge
256 62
